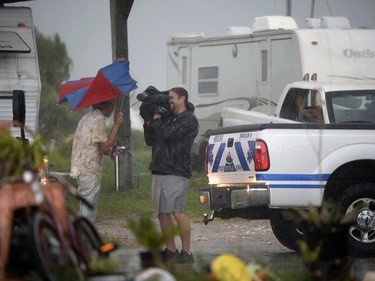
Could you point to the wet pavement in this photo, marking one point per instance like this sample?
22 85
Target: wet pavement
250 240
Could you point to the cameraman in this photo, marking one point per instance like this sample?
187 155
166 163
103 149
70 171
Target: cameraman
171 138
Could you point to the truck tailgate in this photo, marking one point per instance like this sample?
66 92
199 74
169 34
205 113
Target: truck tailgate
230 158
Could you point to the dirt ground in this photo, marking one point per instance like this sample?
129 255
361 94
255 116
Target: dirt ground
233 231
250 240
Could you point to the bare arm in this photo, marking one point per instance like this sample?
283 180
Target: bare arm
107 146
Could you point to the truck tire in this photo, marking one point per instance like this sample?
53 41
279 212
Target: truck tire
362 233
285 230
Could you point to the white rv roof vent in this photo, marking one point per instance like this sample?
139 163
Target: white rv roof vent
192 35
239 30
274 23
335 22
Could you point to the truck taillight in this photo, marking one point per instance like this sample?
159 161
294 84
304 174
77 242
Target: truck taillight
261 158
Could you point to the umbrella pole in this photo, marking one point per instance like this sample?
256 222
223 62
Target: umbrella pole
117 175
117 159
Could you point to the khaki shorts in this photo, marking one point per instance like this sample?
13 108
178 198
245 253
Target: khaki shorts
169 193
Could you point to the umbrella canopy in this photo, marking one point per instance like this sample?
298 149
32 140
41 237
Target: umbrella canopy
110 82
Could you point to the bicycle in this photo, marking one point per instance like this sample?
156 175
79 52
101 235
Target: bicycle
60 244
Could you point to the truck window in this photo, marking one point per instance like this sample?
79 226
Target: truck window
208 78
293 102
351 106
302 105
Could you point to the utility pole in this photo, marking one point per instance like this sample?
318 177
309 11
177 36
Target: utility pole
312 8
289 8
120 10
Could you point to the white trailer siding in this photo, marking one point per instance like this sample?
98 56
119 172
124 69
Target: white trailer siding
18 70
250 72
338 54
253 69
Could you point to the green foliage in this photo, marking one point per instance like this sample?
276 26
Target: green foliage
329 213
105 266
147 235
55 121
320 225
16 155
54 62
309 255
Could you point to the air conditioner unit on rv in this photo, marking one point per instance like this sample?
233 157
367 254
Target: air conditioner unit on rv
273 23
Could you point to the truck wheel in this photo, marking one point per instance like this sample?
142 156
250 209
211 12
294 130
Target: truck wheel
285 230
361 199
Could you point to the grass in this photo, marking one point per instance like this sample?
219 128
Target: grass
136 201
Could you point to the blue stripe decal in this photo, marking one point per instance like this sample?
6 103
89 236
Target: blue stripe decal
219 154
302 186
210 155
250 154
292 177
241 156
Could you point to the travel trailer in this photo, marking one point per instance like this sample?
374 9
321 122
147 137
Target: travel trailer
19 69
250 68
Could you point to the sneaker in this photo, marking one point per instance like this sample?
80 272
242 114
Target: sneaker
169 256
185 258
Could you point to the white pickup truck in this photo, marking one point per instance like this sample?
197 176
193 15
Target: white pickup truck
319 145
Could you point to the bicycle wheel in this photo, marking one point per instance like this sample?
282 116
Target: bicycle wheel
88 239
53 259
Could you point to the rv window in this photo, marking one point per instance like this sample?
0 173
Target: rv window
264 66
208 80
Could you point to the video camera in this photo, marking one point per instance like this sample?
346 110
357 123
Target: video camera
153 101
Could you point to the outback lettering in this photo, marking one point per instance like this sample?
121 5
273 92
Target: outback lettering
350 53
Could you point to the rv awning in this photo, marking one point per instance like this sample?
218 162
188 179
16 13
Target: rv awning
11 42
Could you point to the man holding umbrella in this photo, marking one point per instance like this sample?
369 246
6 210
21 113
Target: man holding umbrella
89 145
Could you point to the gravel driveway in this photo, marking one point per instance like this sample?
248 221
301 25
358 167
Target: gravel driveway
232 231
250 240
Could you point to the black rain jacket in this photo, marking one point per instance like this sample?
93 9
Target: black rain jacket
171 139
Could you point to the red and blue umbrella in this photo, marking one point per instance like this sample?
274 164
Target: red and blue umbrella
110 82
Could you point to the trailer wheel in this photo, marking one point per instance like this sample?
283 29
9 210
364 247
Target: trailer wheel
360 198
285 230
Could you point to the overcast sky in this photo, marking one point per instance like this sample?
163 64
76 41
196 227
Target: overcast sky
84 26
